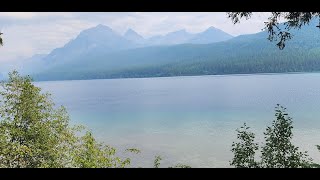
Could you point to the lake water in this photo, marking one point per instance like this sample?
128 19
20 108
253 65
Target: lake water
190 120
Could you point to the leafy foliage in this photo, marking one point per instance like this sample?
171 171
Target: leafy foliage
156 163
278 150
293 20
91 154
244 151
32 132
133 150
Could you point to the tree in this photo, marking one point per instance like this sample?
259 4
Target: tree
244 151
293 20
32 132
91 154
278 150
156 163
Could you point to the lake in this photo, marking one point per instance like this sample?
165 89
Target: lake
190 120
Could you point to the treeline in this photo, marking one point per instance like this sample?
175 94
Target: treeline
281 62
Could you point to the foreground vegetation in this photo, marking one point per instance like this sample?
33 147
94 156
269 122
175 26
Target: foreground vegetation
277 151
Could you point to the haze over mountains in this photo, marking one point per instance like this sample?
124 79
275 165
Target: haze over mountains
210 35
99 52
102 39
131 35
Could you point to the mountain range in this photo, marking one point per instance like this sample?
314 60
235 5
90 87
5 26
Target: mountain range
99 52
102 39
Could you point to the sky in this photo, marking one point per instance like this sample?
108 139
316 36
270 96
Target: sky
28 33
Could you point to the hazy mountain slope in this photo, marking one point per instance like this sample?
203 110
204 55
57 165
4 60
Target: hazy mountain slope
133 36
243 54
99 39
210 35
177 37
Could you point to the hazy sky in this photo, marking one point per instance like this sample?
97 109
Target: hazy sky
29 33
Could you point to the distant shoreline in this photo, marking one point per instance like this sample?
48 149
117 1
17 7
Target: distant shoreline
183 76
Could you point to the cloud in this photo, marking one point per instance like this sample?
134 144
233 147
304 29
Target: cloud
17 15
34 15
29 33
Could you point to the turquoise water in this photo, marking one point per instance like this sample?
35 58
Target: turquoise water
190 120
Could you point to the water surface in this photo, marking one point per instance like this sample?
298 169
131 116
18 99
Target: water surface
192 119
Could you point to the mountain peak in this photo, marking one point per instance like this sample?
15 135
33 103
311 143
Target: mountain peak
182 30
212 28
210 35
98 32
130 31
133 36
102 27
98 28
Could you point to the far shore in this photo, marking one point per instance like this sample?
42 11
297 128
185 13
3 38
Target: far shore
184 76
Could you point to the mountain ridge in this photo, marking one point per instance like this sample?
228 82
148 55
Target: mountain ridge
239 55
251 53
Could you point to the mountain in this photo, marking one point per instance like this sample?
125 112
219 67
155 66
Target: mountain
177 37
32 64
210 35
36 57
93 45
243 54
133 36
99 39
23 66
